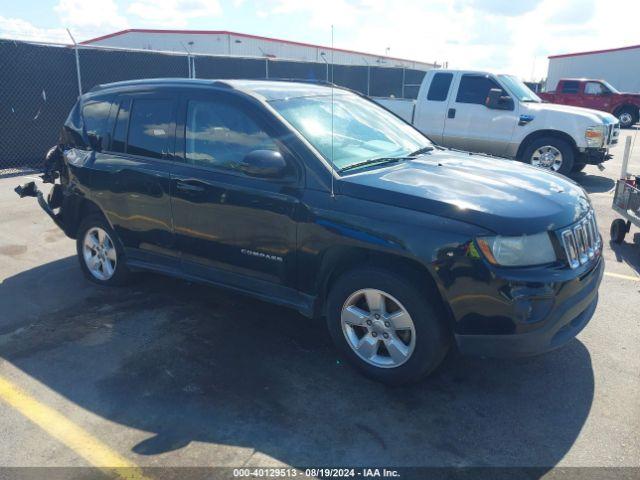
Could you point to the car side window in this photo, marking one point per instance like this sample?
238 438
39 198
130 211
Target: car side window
439 88
475 88
219 134
150 127
95 115
569 86
594 88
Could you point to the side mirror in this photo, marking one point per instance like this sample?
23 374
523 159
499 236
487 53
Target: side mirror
264 163
95 142
496 100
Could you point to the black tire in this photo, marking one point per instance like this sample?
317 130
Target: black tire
121 273
627 116
578 167
431 336
565 148
618 230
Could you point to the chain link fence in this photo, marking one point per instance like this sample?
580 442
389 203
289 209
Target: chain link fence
41 82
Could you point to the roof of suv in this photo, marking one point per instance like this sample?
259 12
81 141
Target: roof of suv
267 89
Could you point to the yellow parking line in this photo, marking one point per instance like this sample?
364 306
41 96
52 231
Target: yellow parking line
64 430
624 277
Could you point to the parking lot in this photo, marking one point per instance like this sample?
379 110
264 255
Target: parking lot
167 373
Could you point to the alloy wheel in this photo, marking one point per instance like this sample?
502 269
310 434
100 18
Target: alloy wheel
99 253
378 328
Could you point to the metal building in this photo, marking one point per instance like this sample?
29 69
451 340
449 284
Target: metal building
214 42
618 66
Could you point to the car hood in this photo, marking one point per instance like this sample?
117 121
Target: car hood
504 196
594 117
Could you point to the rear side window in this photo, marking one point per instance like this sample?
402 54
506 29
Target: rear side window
95 115
219 134
570 87
439 88
475 88
150 127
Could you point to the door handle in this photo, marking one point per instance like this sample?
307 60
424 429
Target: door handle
451 113
189 187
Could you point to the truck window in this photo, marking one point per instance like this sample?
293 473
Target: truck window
475 88
219 135
594 88
570 86
150 127
439 88
95 115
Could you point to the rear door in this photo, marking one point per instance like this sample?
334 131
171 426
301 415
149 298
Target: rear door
472 126
569 93
132 176
230 227
431 106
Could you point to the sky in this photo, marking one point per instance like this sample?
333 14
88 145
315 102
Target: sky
511 36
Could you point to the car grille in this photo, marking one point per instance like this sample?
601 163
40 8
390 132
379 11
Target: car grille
613 132
581 241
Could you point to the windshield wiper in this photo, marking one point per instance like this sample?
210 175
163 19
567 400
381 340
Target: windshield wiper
421 151
371 161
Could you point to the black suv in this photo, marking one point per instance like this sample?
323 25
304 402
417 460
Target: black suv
319 199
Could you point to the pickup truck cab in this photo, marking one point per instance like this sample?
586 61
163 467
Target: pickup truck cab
599 95
320 200
499 115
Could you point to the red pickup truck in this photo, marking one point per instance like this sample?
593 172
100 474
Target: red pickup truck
599 95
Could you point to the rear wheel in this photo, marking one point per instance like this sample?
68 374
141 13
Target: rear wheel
385 326
550 153
627 117
618 230
99 252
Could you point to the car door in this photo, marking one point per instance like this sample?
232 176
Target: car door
568 94
431 110
471 125
131 177
231 227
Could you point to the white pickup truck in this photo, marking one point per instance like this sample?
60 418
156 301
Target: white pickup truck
499 115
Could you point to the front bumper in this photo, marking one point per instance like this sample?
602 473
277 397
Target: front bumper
594 156
570 313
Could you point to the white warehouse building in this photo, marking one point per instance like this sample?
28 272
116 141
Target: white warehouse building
218 42
618 66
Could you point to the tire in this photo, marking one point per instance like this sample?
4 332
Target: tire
578 167
627 116
618 230
551 146
424 347
103 251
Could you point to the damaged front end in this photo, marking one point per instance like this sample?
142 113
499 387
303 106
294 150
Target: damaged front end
53 168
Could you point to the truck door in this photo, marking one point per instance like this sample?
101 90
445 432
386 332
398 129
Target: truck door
568 93
597 96
431 106
472 126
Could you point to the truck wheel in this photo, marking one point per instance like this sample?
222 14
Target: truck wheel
627 116
550 153
386 326
618 230
99 252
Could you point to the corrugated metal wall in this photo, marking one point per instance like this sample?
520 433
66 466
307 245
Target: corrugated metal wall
620 68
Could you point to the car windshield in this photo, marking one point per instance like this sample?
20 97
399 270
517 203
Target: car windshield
609 86
362 131
519 89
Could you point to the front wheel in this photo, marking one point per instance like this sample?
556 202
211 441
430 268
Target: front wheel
99 252
627 117
385 326
550 153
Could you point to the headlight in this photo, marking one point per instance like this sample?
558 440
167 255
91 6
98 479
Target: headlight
595 136
521 251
